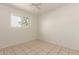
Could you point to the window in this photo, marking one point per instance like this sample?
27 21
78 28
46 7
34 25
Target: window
17 21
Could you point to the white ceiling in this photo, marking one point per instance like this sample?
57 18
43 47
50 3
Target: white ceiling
44 7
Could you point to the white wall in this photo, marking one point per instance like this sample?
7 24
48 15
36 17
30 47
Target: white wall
61 26
12 36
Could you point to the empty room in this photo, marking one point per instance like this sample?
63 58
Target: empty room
39 29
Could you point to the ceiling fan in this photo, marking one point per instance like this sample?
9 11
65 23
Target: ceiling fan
37 5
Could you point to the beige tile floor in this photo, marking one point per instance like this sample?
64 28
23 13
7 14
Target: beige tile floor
37 47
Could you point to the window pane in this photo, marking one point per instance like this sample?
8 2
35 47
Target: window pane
15 21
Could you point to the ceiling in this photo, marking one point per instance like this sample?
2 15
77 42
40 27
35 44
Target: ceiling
43 7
